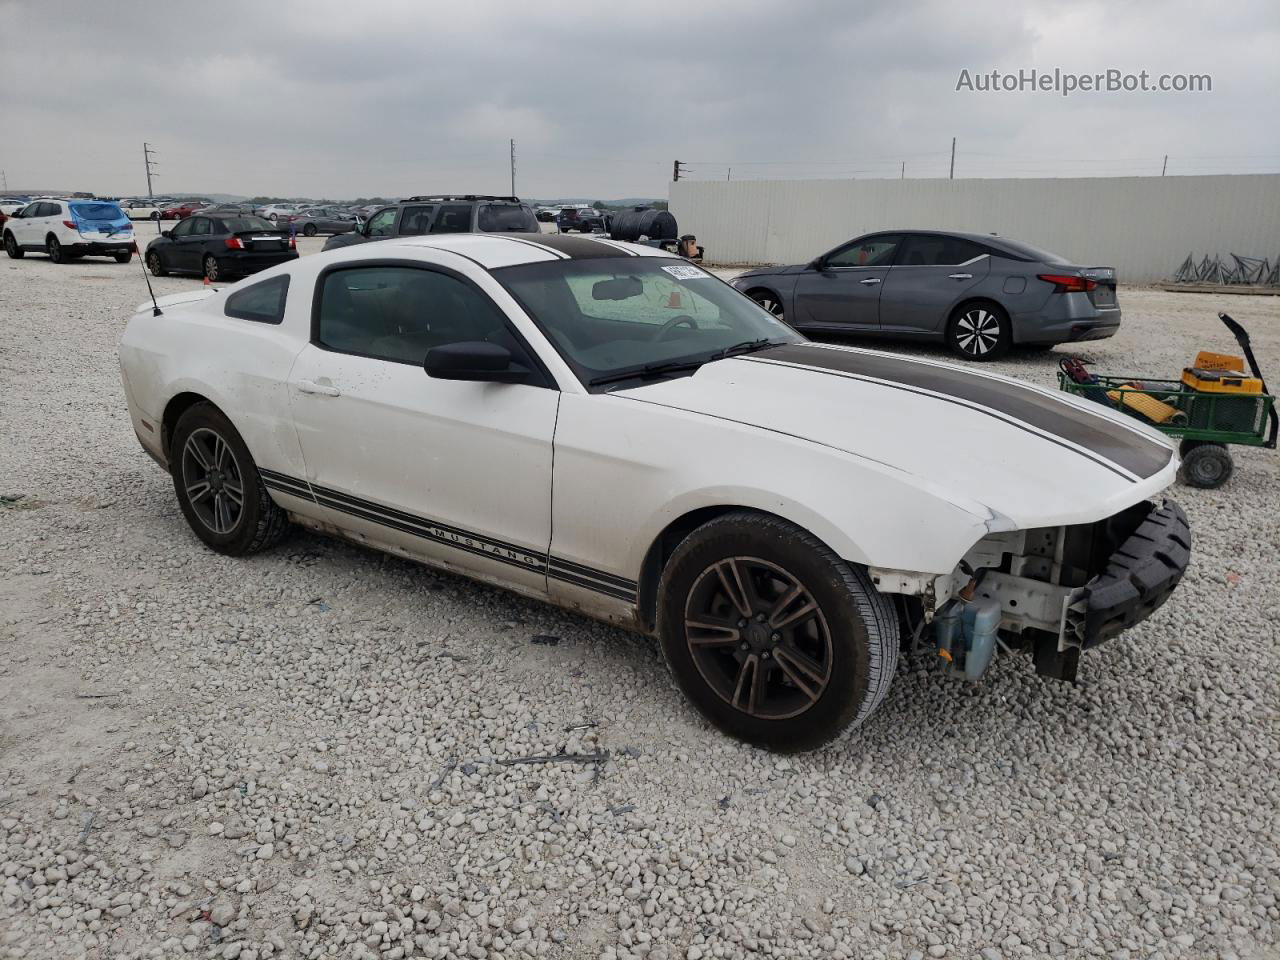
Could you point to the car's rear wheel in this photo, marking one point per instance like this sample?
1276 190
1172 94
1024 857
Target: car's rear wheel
773 637
769 300
309 230
54 249
979 331
218 486
155 215
156 265
212 272
1205 464
11 247
123 256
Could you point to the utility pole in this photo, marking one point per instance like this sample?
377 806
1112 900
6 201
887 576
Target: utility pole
1165 165
729 175
675 170
903 174
952 174
5 178
146 157
513 167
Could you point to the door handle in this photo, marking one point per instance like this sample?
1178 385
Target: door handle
320 389
960 276
870 280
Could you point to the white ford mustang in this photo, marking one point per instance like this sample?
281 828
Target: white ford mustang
617 431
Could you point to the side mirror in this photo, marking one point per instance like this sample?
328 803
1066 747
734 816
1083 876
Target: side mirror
473 360
166 233
817 263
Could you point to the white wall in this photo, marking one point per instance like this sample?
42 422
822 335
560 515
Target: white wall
1142 226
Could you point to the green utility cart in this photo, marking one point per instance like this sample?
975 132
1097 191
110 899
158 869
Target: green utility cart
1210 407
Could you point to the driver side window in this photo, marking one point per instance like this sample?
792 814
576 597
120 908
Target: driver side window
399 313
872 252
383 223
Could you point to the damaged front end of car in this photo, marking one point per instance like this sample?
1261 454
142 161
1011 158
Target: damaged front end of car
1049 592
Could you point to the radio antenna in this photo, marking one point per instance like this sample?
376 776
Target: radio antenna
155 307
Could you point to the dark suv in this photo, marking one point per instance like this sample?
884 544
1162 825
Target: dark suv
441 213
580 218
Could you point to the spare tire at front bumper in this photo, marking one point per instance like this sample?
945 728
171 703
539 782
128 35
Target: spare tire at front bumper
1140 575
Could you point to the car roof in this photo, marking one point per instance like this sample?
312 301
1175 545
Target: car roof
494 250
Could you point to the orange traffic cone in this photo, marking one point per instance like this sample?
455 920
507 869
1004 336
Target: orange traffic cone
206 281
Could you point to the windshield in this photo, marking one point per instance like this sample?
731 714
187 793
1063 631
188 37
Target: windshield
238 224
97 211
613 316
506 216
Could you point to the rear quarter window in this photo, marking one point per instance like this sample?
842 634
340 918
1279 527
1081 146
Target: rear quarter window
262 303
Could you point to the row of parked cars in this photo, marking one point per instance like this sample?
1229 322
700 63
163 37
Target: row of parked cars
979 294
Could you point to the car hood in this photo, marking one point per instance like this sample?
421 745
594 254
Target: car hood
772 271
1012 453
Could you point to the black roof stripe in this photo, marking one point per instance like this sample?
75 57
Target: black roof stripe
579 248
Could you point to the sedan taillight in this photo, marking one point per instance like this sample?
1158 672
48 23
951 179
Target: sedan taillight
1068 283
233 243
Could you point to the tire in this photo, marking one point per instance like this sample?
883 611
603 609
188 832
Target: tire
1206 465
274 217
769 300
155 216
309 230
979 331
54 249
123 256
821 672
203 433
212 272
11 247
155 265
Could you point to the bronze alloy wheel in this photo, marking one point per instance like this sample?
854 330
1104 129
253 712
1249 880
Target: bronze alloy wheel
758 638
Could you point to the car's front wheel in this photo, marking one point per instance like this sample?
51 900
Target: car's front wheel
774 638
11 247
769 300
218 486
979 331
156 265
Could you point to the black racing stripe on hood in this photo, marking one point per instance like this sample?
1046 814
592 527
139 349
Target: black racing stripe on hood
579 248
1137 454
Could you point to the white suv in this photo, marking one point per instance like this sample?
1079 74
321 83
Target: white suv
70 229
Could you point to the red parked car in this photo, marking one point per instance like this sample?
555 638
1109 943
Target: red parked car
180 211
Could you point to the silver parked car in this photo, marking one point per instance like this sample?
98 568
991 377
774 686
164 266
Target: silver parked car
315 220
978 293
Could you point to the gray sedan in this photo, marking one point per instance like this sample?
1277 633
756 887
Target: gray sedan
978 293
315 220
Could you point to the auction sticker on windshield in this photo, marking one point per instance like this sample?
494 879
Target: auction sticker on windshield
683 271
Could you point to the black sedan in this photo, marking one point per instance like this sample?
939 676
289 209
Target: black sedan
220 248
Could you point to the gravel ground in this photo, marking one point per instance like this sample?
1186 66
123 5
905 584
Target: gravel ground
317 752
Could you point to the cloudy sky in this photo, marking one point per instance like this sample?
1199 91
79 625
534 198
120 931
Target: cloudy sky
389 97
